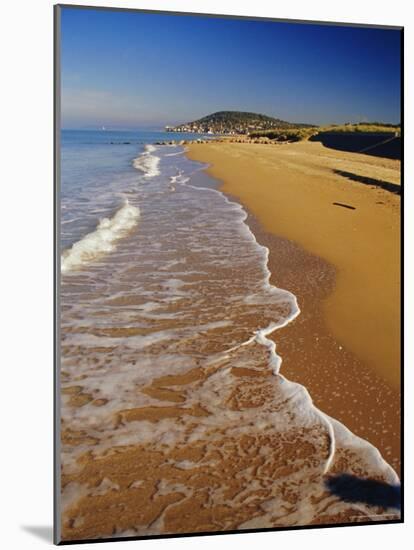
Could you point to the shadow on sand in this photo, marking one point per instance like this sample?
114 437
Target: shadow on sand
369 491
388 186
385 145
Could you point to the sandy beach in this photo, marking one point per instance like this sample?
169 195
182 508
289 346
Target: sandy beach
332 226
175 417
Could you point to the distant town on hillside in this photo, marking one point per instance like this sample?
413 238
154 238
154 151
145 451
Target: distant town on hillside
233 122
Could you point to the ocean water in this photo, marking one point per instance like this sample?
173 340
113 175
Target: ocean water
166 309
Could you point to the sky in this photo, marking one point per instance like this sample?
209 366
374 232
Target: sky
124 69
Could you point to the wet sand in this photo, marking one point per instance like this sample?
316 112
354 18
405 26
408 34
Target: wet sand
342 264
216 441
235 479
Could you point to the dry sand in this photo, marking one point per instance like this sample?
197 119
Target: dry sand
343 264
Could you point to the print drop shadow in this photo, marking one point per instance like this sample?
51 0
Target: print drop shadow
43 532
368 491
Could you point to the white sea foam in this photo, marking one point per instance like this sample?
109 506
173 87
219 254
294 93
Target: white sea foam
102 240
336 430
180 297
175 154
147 162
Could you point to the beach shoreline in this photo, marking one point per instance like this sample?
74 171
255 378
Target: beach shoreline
319 349
207 434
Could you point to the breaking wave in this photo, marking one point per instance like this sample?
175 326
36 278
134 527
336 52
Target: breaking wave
147 162
102 240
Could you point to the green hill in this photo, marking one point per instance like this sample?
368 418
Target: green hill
234 122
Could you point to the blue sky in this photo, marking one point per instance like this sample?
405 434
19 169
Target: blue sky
127 69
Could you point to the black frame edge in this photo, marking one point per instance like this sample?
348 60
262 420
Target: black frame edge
56 274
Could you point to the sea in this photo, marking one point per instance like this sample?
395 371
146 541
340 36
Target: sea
175 414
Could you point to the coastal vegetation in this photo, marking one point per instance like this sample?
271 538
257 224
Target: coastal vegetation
363 127
300 133
285 134
256 126
373 138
